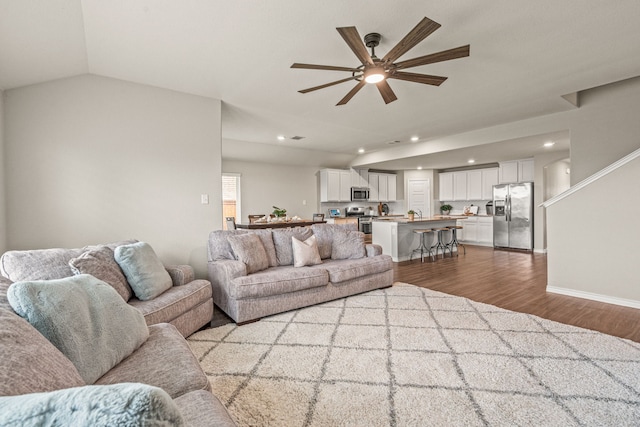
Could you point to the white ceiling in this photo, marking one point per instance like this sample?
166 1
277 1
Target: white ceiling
524 56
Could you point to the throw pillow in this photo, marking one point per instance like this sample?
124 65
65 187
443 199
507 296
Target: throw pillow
248 248
305 253
126 404
28 362
84 318
348 244
101 264
144 271
282 242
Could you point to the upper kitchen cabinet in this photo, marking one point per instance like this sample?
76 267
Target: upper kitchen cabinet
490 178
335 185
382 187
359 177
445 186
460 186
516 171
474 185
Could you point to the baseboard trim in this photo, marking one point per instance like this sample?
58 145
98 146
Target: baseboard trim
540 251
594 297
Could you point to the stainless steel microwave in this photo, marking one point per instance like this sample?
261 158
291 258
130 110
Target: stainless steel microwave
359 194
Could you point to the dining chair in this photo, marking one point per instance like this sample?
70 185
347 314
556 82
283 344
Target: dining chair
231 223
254 218
318 217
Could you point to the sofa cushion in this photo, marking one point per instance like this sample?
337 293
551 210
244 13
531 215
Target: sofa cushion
84 318
100 263
266 238
324 236
305 253
105 406
4 287
174 302
38 264
282 241
203 409
164 360
219 247
277 281
348 244
248 249
144 271
28 362
348 269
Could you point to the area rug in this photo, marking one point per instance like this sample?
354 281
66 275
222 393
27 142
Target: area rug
408 356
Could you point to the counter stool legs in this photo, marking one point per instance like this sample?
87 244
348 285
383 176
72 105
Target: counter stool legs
423 249
454 240
441 243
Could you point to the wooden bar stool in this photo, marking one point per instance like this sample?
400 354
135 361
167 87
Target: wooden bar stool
454 240
441 244
423 249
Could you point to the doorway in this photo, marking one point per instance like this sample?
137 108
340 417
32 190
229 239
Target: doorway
419 196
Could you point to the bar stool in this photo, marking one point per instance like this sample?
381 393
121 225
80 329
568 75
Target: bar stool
423 247
454 240
441 243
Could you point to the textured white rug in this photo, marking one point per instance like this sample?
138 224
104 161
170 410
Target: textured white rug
408 356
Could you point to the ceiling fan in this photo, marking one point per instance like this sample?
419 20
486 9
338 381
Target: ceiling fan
377 71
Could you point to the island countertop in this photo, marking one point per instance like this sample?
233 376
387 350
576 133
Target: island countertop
404 220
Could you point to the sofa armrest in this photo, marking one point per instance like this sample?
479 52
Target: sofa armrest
180 274
224 271
373 250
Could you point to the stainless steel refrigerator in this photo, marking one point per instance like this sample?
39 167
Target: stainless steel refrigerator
513 216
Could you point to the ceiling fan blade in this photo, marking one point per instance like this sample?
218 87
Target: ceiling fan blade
386 92
445 55
351 93
311 89
415 36
351 36
418 78
324 67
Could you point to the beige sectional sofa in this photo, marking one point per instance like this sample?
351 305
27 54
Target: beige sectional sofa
247 293
187 305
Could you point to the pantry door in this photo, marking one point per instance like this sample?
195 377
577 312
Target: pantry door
419 196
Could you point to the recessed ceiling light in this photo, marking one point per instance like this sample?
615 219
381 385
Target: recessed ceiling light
361 150
471 161
280 138
419 168
549 144
414 138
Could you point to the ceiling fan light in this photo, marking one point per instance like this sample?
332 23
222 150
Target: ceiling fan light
374 75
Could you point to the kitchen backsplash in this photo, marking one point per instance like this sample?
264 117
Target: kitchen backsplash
458 207
396 207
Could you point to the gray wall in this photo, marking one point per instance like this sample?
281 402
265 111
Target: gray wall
539 189
3 220
265 185
92 160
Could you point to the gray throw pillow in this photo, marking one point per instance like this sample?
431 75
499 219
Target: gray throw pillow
348 244
84 318
282 242
144 271
305 253
101 264
125 404
248 248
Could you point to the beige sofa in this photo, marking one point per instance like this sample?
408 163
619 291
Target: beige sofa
246 296
187 305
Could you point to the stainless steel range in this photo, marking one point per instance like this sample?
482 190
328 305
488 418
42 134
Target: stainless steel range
364 221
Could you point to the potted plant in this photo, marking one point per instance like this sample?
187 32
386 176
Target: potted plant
446 209
411 214
279 213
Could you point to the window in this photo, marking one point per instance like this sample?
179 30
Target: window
231 196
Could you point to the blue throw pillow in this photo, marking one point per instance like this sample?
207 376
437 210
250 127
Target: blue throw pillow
126 404
144 271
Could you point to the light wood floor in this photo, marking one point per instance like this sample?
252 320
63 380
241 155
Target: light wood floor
516 281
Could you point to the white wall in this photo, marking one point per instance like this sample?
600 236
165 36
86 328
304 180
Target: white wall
265 185
593 237
539 189
93 160
3 221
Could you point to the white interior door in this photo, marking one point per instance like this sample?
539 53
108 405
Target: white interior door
419 196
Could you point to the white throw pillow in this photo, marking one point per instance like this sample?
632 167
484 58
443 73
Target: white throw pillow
305 253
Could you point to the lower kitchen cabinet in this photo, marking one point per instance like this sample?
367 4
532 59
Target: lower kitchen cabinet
477 230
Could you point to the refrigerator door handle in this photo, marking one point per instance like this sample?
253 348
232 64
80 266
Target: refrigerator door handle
508 208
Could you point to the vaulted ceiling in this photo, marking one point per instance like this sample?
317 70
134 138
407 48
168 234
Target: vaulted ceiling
525 55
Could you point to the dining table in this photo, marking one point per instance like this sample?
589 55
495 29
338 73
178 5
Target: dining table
277 224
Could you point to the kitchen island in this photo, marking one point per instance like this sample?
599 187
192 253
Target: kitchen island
396 236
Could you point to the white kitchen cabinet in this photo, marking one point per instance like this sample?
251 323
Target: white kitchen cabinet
445 186
335 185
474 185
517 171
485 231
470 227
373 187
359 177
477 230
489 179
460 186
383 187
393 184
